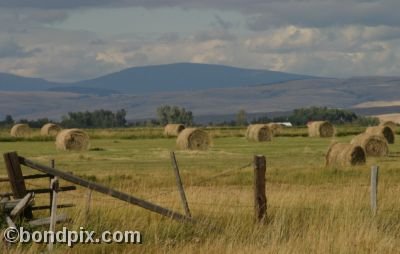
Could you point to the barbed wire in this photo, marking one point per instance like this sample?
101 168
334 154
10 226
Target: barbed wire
202 181
214 205
224 173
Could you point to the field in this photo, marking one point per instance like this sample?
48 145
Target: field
311 209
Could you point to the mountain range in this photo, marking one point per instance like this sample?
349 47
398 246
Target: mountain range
211 91
154 79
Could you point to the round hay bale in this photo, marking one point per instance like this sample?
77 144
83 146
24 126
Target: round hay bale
173 130
373 145
323 129
385 131
392 125
345 155
21 130
259 133
72 139
50 129
193 139
276 128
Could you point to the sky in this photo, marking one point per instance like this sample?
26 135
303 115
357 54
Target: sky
75 40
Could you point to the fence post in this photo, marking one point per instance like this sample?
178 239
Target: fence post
180 186
87 204
374 189
52 165
260 199
54 185
16 178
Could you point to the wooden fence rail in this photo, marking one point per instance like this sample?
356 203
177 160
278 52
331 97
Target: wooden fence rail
97 187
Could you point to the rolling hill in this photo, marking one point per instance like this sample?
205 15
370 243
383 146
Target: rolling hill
10 82
185 77
212 91
218 102
155 79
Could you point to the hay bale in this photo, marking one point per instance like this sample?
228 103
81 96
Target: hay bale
259 133
193 139
323 129
173 130
20 130
385 131
345 155
276 128
50 129
72 139
373 145
392 125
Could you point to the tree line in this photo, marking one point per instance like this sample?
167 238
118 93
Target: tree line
301 116
174 114
96 119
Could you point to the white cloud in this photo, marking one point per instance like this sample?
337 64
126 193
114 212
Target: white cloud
348 51
112 56
352 38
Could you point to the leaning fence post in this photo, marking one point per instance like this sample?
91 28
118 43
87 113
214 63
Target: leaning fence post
374 189
179 184
260 199
16 179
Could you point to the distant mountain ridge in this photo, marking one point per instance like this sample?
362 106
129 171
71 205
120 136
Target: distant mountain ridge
11 82
185 76
216 92
155 78
218 102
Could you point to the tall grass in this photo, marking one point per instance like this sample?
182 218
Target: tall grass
311 209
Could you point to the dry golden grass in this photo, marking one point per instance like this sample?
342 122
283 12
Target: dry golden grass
311 209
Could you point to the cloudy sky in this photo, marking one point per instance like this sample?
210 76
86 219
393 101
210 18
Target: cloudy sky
79 39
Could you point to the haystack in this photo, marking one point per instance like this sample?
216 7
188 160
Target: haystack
259 133
345 155
72 139
50 129
321 129
373 145
173 130
276 128
385 131
193 139
20 130
392 125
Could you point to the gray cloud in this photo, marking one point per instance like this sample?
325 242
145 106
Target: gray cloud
216 34
11 49
54 4
262 14
171 37
319 37
327 14
31 17
42 16
221 23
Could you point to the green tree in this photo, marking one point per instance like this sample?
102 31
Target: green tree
303 115
173 114
241 118
38 123
367 121
7 122
96 119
